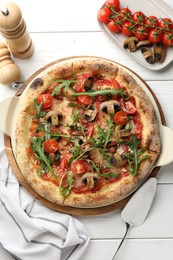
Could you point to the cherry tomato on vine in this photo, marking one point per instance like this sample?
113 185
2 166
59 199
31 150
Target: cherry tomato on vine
166 23
151 21
141 32
168 39
51 146
46 100
84 100
125 13
155 36
120 118
103 14
127 28
113 3
138 17
78 166
113 27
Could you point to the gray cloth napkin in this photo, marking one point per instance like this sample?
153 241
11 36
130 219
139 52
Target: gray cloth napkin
28 229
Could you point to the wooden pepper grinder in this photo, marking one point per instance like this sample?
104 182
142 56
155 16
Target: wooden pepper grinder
13 29
9 71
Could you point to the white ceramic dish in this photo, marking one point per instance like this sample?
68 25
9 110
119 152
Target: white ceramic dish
149 7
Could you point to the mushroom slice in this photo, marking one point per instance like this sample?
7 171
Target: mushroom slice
148 54
69 92
120 133
88 83
90 113
53 117
90 178
130 43
143 43
118 160
159 52
110 107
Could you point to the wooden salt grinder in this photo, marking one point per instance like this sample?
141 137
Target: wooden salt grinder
9 71
13 29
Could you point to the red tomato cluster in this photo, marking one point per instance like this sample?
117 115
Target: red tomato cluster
136 24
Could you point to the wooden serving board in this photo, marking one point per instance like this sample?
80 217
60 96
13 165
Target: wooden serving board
56 207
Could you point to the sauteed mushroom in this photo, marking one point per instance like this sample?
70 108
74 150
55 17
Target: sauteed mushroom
90 113
88 83
90 178
54 117
110 107
118 160
148 54
68 93
130 43
143 43
159 52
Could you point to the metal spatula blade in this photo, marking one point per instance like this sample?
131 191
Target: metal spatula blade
137 208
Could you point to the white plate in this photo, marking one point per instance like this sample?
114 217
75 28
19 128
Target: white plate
149 7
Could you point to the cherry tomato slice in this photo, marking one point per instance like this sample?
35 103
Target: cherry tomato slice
78 166
46 100
90 130
51 146
84 100
120 118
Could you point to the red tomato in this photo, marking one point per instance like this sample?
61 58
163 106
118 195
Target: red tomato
166 23
151 21
84 100
90 130
64 163
127 28
103 15
138 17
168 39
125 13
120 118
113 26
78 166
113 3
155 36
141 32
51 146
128 106
46 100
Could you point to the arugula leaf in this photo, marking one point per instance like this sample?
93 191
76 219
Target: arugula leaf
104 175
133 157
93 93
65 83
38 148
71 104
39 112
65 190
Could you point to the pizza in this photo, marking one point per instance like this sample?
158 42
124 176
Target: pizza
87 133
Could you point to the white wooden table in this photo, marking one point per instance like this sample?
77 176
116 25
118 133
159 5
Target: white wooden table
68 28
